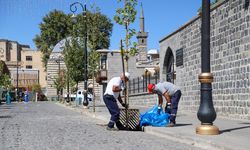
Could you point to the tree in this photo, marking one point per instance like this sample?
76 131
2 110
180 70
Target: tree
54 27
99 32
60 82
5 80
73 58
125 16
36 87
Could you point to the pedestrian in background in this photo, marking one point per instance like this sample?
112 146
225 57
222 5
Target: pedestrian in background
171 93
111 95
8 98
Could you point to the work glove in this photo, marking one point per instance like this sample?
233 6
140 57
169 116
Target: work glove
123 88
125 105
159 110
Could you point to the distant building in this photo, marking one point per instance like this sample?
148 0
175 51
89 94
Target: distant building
24 64
57 65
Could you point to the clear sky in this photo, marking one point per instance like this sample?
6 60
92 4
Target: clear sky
19 19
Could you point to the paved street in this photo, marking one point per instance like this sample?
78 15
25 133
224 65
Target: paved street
47 126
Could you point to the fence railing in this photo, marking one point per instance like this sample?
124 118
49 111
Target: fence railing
139 84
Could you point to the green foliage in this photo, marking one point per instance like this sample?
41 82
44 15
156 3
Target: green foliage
127 13
5 81
125 16
54 27
36 88
73 58
99 29
93 60
59 81
57 26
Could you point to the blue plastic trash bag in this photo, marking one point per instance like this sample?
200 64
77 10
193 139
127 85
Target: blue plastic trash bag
152 118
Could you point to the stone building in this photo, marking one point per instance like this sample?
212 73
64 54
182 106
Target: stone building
23 61
180 61
57 65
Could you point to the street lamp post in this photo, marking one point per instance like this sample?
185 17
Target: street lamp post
17 94
73 9
206 113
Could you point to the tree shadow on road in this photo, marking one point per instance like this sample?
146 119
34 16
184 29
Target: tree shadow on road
2 117
183 124
248 123
232 129
5 107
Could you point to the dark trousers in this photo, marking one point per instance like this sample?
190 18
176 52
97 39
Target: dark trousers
174 105
114 111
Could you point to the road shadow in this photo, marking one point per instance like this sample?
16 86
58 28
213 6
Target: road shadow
3 117
5 108
232 129
99 106
247 123
183 124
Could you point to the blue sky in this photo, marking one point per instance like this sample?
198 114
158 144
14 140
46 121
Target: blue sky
20 18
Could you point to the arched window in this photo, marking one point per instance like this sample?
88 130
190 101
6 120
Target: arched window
169 66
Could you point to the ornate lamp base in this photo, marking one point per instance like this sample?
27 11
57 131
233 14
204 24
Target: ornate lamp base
207 129
85 107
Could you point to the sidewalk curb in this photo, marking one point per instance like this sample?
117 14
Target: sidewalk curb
196 141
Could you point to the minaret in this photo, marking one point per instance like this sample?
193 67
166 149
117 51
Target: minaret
142 39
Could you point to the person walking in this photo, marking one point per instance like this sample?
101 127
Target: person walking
171 93
111 95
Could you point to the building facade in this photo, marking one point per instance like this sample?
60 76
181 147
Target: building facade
32 60
57 66
25 64
180 59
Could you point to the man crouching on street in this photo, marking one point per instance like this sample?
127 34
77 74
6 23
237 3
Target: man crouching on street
112 93
171 93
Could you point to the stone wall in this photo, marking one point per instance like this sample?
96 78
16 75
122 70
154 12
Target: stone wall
230 60
143 99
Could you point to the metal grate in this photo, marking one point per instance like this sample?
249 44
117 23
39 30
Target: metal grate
133 119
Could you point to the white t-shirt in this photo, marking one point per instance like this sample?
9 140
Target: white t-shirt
116 81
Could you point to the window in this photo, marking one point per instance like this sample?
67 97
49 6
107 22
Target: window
28 67
103 61
28 58
179 57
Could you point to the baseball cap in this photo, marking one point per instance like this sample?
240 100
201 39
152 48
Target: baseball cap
151 88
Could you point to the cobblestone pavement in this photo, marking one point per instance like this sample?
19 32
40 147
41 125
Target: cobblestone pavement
47 126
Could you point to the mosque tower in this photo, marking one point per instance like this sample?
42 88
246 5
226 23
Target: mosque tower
142 39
